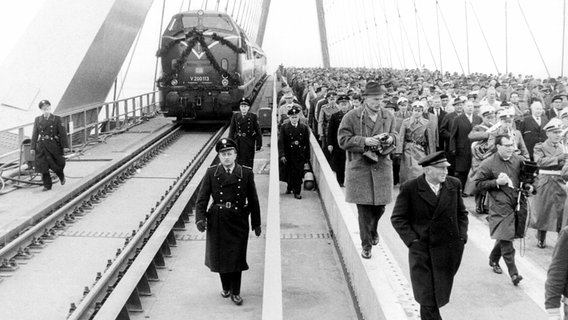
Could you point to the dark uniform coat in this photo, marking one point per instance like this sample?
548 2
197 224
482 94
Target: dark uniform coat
234 199
294 145
365 182
504 222
556 284
49 137
245 131
439 223
459 142
338 154
532 132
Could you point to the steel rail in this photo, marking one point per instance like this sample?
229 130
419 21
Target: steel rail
108 296
75 203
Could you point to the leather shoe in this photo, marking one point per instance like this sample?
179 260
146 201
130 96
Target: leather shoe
288 191
496 268
225 293
366 254
516 278
465 195
45 189
375 241
237 299
63 181
297 196
541 244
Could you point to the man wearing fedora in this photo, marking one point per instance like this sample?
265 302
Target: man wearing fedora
368 136
232 188
431 219
49 143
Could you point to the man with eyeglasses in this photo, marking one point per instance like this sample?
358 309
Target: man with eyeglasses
498 175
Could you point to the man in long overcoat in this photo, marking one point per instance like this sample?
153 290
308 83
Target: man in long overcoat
498 175
232 188
368 182
49 143
550 196
245 131
556 286
459 142
431 219
294 151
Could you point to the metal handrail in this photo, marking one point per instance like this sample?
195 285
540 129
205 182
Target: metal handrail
90 124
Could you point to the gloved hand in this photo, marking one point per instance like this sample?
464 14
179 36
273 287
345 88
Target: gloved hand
330 148
257 231
201 225
258 148
553 314
283 160
397 156
65 150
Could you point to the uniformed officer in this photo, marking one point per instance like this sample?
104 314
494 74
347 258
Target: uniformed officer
245 131
234 196
49 142
294 151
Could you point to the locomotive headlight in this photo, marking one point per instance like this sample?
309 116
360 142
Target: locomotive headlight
174 82
225 64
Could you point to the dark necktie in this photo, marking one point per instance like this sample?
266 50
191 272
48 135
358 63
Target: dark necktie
228 171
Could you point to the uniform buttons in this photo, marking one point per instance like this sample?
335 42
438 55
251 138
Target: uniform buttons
239 187
221 192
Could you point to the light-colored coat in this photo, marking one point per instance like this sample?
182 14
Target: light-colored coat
365 182
548 204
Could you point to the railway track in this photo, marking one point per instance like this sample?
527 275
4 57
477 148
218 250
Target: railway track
84 248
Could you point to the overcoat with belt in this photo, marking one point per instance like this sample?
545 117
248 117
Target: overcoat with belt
439 224
49 137
548 203
294 145
234 199
366 182
245 131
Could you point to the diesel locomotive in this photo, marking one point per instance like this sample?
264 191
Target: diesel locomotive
208 65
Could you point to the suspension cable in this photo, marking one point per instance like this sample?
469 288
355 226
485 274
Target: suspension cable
484 38
181 5
189 5
406 35
439 39
563 37
506 41
369 38
427 42
451 39
401 42
467 36
417 33
534 40
366 49
377 33
233 10
130 63
227 6
159 44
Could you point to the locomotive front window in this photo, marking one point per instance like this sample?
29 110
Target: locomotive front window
217 22
190 22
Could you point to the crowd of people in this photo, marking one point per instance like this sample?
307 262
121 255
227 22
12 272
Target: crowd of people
499 138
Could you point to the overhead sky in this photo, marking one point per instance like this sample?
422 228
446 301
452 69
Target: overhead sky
364 33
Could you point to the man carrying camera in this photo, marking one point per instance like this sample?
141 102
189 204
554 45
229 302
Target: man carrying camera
500 176
368 135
